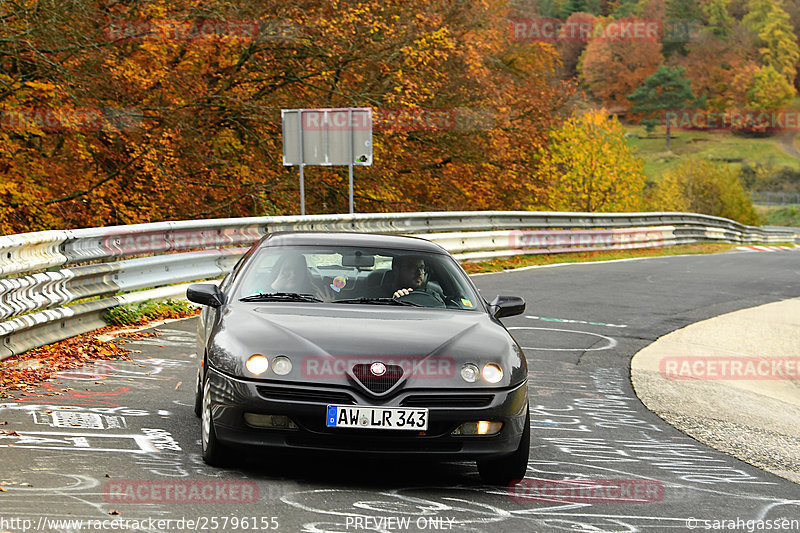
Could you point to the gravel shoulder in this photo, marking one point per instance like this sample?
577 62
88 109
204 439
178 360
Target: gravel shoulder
682 378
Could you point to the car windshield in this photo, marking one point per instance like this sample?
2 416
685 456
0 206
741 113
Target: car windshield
355 276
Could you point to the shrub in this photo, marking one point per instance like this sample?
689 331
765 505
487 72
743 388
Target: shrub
701 186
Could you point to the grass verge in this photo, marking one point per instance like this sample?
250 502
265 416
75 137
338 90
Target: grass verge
127 315
722 146
519 261
786 215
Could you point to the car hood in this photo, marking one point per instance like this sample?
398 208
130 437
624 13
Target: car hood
323 340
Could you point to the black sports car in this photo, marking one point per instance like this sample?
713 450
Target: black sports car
360 342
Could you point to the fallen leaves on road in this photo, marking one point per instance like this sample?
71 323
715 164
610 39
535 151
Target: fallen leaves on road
134 335
25 371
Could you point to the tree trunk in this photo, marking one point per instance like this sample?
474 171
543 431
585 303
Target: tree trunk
668 135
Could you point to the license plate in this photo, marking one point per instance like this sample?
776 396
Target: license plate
357 416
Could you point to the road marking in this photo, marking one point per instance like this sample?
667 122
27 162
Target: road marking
610 342
571 321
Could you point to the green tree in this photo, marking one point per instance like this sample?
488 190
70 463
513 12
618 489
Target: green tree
574 6
679 13
588 166
720 22
667 89
702 186
758 12
581 6
625 8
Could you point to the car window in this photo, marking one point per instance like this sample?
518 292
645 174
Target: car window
347 273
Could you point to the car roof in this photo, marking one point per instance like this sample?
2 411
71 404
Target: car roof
365 240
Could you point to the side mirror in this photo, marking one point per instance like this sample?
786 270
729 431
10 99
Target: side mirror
503 306
205 294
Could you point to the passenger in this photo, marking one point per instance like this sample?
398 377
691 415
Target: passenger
291 274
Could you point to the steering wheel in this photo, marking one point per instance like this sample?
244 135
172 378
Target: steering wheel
422 298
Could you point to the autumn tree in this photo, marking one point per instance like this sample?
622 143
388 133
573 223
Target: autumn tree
713 64
588 166
570 49
768 90
702 186
200 85
612 69
775 36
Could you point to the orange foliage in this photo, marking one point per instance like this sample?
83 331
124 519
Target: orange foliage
613 69
171 110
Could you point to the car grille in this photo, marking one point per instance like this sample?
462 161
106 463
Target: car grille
377 384
306 395
447 400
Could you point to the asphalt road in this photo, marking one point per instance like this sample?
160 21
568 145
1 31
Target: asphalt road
126 431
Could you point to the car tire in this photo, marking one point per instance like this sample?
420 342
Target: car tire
511 467
214 452
198 394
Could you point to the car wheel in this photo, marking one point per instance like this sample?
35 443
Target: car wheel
508 468
198 394
214 452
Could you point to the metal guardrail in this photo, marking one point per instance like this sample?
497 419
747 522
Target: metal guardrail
41 273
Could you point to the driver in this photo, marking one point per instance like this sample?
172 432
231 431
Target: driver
410 274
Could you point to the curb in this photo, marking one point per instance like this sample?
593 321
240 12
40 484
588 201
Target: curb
755 420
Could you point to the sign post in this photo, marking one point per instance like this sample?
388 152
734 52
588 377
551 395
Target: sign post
327 137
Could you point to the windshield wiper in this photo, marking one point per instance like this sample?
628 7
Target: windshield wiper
280 297
378 301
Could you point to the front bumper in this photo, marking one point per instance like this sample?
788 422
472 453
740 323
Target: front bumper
307 408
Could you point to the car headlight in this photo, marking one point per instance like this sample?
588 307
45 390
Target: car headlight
257 364
470 373
492 373
281 365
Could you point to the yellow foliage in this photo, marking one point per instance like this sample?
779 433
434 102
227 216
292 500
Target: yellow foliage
588 166
702 186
